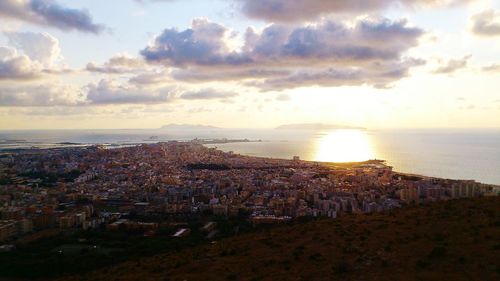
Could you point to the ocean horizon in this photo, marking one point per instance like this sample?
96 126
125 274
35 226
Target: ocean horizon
447 153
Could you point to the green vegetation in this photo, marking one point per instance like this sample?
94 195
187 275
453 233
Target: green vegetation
50 179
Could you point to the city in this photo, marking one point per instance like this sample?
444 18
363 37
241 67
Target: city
141 186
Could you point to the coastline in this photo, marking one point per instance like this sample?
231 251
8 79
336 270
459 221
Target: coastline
208 143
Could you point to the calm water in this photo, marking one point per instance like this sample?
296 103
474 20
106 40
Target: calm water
459 154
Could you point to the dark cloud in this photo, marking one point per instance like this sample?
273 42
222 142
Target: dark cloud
486 23
49 12
300 10
202 44
452 65
276 53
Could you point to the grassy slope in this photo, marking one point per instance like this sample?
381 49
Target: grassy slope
455 240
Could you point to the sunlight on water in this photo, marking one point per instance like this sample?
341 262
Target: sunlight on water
344 146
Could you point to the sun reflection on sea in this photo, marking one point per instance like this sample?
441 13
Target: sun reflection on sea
344 146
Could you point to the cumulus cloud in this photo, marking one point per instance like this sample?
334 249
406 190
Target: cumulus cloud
207 94
486 23
50 13
29 56
121 63
41 47
452 65
16 66
298 10
203 53
47 94
204 43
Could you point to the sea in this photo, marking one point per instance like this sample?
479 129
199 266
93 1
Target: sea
446 153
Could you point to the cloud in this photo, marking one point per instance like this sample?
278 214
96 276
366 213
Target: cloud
301 10
111 92
105 92
121 63
49 13
453 65
378 75
195 75
203 52
48 94
207 94
30 56
153 78
145 1
41 47
494 67
203 44
15 66
486 23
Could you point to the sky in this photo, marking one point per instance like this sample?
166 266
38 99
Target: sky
94 64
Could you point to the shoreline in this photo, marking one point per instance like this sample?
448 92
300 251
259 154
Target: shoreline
207 142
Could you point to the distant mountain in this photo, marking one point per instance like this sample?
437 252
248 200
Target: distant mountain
315 126
187 127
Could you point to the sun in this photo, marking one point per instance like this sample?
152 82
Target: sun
344 146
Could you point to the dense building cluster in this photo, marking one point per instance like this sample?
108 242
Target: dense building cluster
90 187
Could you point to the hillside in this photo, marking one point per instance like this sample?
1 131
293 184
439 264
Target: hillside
454 240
